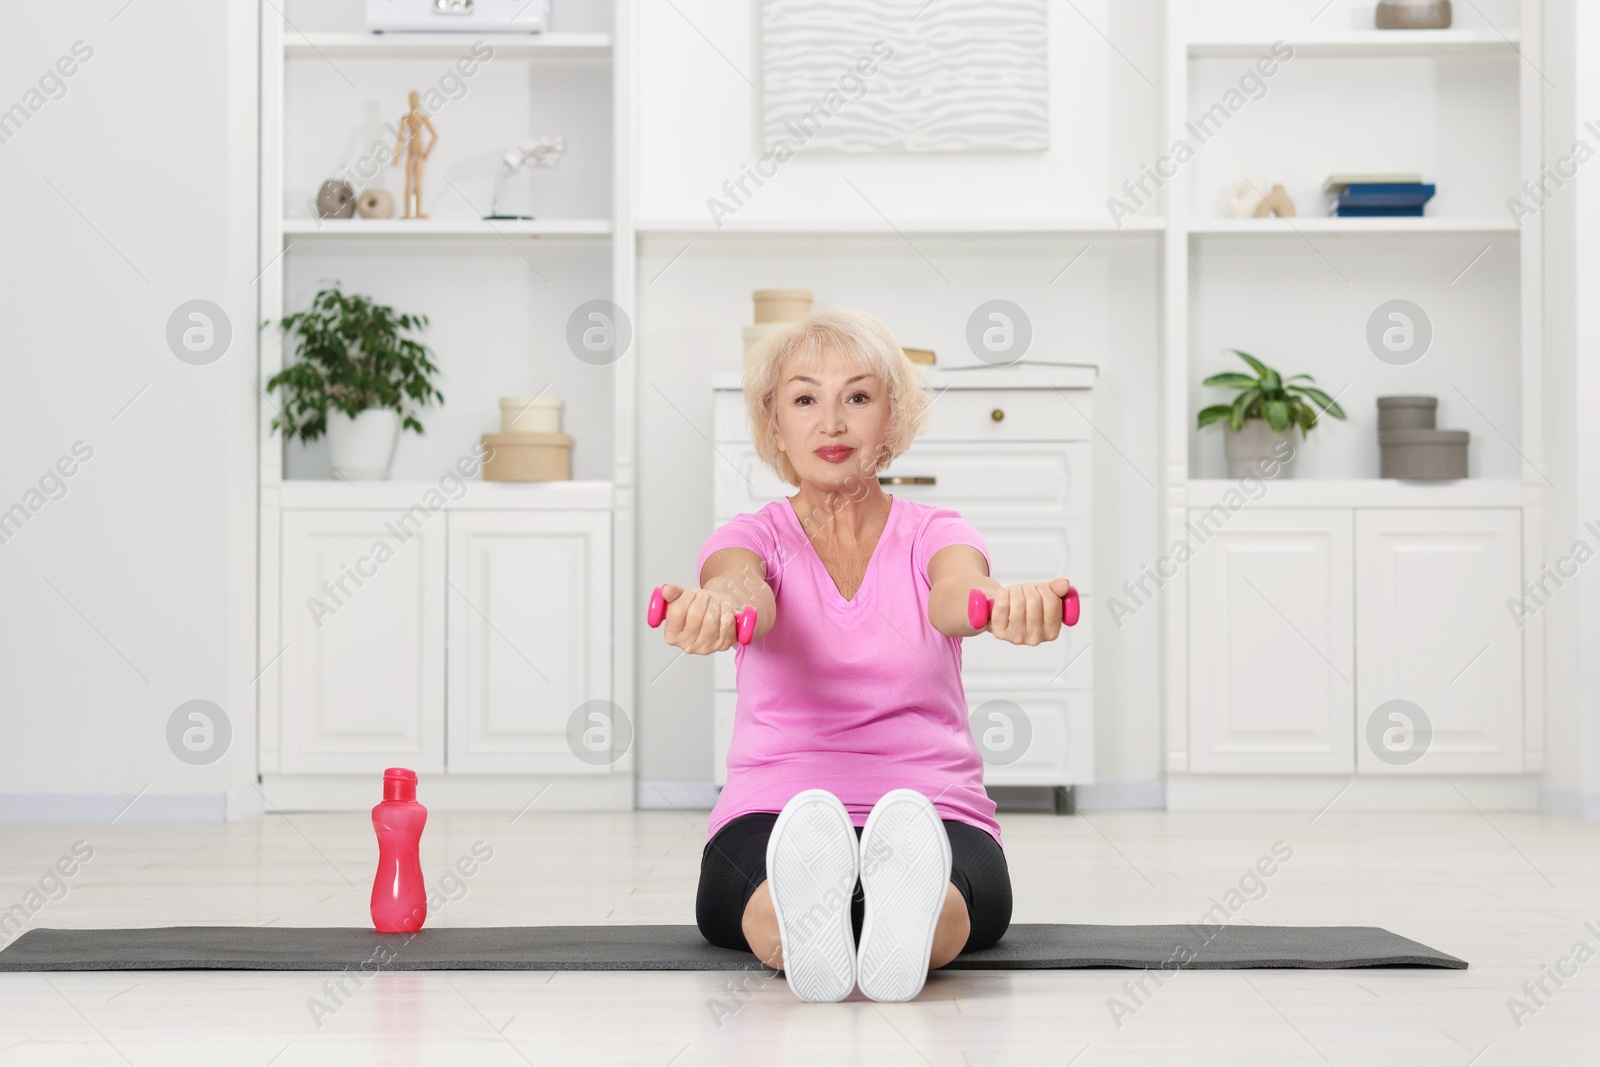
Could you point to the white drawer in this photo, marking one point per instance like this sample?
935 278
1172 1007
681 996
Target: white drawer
1059 749
961 414
1048 482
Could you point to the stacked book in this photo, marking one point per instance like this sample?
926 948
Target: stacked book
1373 195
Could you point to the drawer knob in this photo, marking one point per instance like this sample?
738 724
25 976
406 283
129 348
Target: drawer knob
997 415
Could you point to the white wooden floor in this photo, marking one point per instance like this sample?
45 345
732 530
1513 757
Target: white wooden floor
1509 893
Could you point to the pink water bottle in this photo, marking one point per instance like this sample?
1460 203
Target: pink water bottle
399 896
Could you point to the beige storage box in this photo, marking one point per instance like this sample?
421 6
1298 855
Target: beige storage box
530 414
781 305
527 457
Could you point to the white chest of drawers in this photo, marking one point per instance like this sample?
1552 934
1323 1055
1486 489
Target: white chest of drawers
1010 448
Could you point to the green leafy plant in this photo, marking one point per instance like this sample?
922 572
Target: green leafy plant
351 357
1268 396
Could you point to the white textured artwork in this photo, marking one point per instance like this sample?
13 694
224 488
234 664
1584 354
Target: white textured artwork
904 76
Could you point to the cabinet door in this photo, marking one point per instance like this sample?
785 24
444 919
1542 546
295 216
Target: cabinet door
1271 678
1432 629
530 641
363 621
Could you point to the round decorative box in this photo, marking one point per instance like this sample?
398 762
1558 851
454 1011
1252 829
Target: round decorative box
1414 15
530 414
1407 412
781 305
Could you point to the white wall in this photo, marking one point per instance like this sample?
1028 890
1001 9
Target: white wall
698 117
1572 322
127 196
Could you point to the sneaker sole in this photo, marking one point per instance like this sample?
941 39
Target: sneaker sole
905 867
811 874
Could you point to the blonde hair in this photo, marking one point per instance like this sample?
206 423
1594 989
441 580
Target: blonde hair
870 346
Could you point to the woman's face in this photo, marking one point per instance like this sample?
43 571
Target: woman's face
832 417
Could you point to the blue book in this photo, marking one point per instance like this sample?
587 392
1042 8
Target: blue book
1380 201
1377 199
1347 212
1388 188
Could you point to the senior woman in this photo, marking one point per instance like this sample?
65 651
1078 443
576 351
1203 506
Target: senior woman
851 756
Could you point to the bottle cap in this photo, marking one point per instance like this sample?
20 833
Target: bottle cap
399 783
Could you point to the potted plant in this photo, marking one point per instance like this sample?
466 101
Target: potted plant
1261 417
355 378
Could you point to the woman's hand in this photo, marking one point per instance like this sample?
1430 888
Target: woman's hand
700 621
1029 613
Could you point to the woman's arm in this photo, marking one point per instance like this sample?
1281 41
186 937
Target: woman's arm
738 575
956 570
702 621
1025 614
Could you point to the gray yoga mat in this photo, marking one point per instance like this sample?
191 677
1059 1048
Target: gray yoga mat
1026 946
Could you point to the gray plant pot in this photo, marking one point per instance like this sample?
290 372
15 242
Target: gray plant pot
1256 448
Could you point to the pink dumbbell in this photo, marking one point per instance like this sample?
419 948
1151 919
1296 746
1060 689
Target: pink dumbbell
744 622
979 608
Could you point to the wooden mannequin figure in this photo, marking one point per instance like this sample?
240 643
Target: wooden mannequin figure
411 126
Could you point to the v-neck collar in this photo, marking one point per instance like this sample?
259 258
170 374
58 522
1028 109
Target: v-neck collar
872 560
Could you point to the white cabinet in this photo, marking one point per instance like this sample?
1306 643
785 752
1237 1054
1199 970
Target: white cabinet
457 641
1305 623
1432 629
1271 680
1011 450
364 632
529 621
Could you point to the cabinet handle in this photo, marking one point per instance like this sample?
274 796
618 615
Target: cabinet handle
997 415
908 479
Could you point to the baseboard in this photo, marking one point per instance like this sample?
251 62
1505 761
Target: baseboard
1128 794
117 807
1572 803
446 792
665 794
1315 792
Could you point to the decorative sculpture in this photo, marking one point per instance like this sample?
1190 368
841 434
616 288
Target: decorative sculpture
335 200
375 204
411 126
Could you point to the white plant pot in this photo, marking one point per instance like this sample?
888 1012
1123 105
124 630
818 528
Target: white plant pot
362 448
1256 448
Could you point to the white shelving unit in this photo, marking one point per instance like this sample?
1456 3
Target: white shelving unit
1472 69
425 228
1368 43
314 87
829 228
414 45
1353 227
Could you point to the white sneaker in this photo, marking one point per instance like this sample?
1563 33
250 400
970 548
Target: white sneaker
812 863
905 867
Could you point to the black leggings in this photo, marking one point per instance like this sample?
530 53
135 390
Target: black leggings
734 864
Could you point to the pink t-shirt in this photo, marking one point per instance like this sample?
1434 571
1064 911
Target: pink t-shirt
855 696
